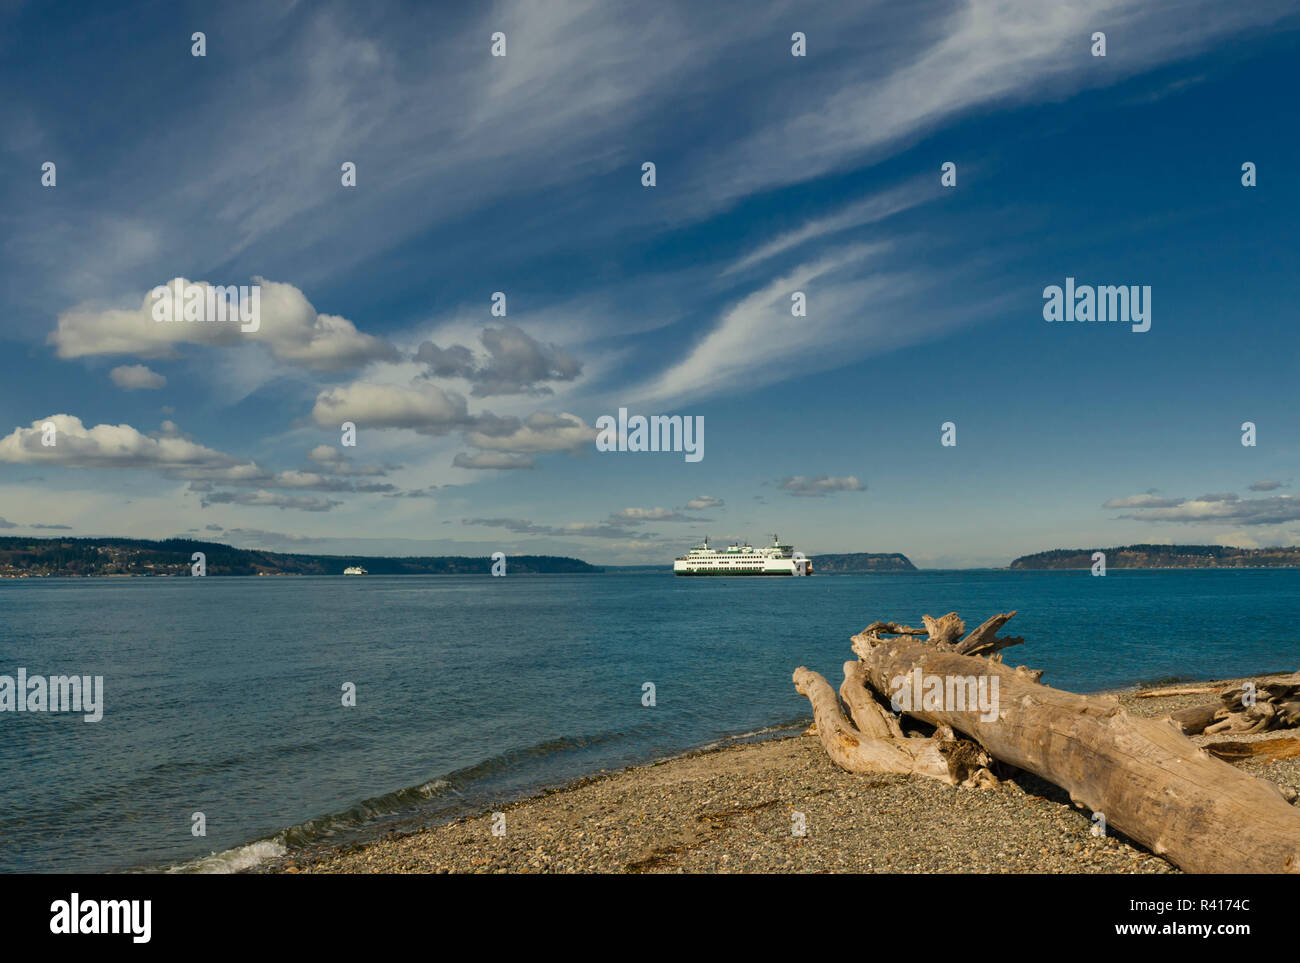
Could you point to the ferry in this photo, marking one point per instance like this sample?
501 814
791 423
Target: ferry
743 559
355 570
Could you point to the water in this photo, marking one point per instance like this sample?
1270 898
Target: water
223 695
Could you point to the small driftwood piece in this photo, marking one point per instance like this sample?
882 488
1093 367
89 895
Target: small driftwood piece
1144 775
1194 719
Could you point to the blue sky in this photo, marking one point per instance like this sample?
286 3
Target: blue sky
775 173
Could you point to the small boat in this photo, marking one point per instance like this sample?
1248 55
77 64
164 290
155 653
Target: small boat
355 570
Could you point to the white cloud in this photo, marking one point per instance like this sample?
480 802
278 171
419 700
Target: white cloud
758 340
288 326
136 377
820 486
492 459
424 408
875 208
268 499
108 446
704 501
539 432
1218 507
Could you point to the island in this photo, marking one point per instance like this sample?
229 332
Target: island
25 557
858 562
1164 556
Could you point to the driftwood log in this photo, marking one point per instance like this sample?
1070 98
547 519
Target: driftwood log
1147 779
1276 705
873 742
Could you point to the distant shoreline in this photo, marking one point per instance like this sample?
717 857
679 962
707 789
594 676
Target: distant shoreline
629 570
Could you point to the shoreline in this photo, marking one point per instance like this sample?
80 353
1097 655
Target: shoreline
733 808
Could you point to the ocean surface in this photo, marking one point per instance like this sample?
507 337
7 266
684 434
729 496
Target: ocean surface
224 695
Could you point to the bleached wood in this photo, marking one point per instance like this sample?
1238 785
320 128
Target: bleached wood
944 757
1148 779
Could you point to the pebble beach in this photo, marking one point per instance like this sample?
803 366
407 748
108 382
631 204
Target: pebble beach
738 809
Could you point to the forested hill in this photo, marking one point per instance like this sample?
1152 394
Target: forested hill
861 562
1164 556
25 556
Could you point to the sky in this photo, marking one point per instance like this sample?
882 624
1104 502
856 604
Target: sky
823 174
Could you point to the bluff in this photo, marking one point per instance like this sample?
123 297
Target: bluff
856 562
1163 556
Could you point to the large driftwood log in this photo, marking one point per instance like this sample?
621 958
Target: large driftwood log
876 743
1149 780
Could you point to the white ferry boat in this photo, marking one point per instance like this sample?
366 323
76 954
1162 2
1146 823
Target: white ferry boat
743 559
355 570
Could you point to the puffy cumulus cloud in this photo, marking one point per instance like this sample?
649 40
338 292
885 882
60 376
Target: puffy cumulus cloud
110 446
286 323
1217 508
539 432
424 408
514 363
136 377
173 455
492 459
263 498
704 501
819 487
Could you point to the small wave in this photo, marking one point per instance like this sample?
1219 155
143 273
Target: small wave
370 811
234 860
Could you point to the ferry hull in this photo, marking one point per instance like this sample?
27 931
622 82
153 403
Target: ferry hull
737 574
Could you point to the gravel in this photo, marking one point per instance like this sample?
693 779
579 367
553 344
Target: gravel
738 810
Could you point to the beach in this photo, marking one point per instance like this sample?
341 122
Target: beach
735 810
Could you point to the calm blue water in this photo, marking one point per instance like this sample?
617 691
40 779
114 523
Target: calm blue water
223 694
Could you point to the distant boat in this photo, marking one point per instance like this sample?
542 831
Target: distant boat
355 570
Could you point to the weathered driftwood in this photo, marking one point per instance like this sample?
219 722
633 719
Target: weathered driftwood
1286 747
1178 690
982 641
875 743
1144 775
1276 706
1194 719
